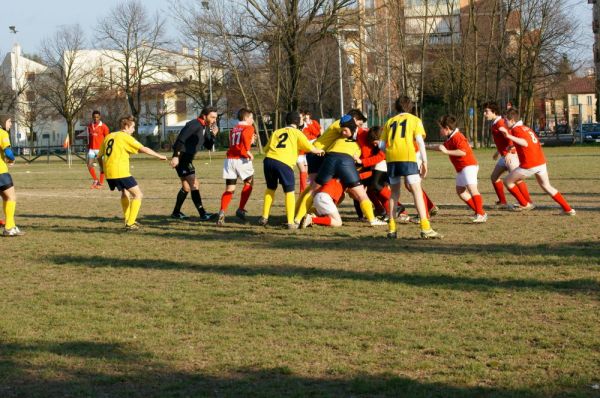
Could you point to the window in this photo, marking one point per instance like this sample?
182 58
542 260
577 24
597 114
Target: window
574 100
589 100
30 96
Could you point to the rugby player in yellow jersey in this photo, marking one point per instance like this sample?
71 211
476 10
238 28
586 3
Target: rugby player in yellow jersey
114 162
397 139
280 157
325 141
7 190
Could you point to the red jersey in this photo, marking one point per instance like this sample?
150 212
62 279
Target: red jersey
532 154
334 189
503 144
369 155
240 141
96 134
312 131
457 140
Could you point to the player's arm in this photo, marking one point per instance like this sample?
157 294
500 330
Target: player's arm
515 140
495 155
100 156
247 138
305 145
150 152
423 152
451 152
186 132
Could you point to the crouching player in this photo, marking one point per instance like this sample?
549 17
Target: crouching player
280 157
325 203
7 189
465 164
532 162
114 162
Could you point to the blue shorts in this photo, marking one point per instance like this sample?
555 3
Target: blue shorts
314 162
277 172
402 169
121 183
6 182
339 165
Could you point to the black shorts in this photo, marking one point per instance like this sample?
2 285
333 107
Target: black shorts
277 172
121 183
402 169
314 162
339 165
6 182
185 166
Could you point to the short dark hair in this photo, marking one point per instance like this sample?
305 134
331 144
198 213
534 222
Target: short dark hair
243 113
3 120
292 118
447 122
357 114
374 133
95 113
512 114
492 106
404 104
126 121
208 109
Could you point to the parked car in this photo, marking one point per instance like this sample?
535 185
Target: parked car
590 132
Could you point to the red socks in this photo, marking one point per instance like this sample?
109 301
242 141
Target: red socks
428 203
558 198
524 191
303 180
92 171
325 220
471 204
246 191
478 202
101 178
516 192
499 188
225 200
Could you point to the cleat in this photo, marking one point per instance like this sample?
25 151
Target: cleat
263 221
415 220
221 220
392 235
403 218
434 210
2 223
132 228
571 212
98 186
430 234
377 222
207 216
94 185
14 231
306 221
241 214
504 206
292 226
518 207
480 218
384 218
179 216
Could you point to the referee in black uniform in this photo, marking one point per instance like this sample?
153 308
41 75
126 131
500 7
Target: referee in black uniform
197 132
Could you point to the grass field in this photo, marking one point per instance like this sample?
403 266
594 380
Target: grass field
504 309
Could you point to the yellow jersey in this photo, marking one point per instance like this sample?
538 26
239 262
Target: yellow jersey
4 143
326 139
285 144
345 145
399 134
115 151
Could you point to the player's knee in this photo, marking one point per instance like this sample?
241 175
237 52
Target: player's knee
336 222
249 181
288 188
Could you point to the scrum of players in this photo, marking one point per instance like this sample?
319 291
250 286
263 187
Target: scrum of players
369 165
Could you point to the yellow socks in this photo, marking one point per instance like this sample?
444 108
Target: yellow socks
125 207
425 225
290 206
269 197
305 203
134 209
367 208
9 213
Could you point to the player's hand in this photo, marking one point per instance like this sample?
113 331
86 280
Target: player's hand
162 157
319 152
442 148
250 156
214 129
423 171
174 162
10 163
496 154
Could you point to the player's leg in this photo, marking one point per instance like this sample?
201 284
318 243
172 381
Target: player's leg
9 202
395 184
511 161
125 205
135 203
510 182
414 180
246 174
302 171
194 184
305 201
544 182
91 158
464 195
499 168
288 182
226 199
181 196
271 179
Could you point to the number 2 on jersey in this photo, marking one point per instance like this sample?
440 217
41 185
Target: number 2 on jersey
282 139
394 127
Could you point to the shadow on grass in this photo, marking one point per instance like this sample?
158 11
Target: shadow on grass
26 371
444 281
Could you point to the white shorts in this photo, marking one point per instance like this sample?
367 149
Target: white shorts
237 168
93 153
324 205
381 166
410 179
467 176
301 160
508 162
541 169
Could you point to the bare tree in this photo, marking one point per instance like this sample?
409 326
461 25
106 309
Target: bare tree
131 38
68 83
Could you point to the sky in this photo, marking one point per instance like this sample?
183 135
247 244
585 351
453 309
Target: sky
37 19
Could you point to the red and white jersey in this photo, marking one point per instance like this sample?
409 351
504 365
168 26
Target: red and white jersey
96 134
531 155
503 144
312 131
457 140
334 189
240 141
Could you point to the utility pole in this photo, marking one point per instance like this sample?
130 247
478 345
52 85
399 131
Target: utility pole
339 40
